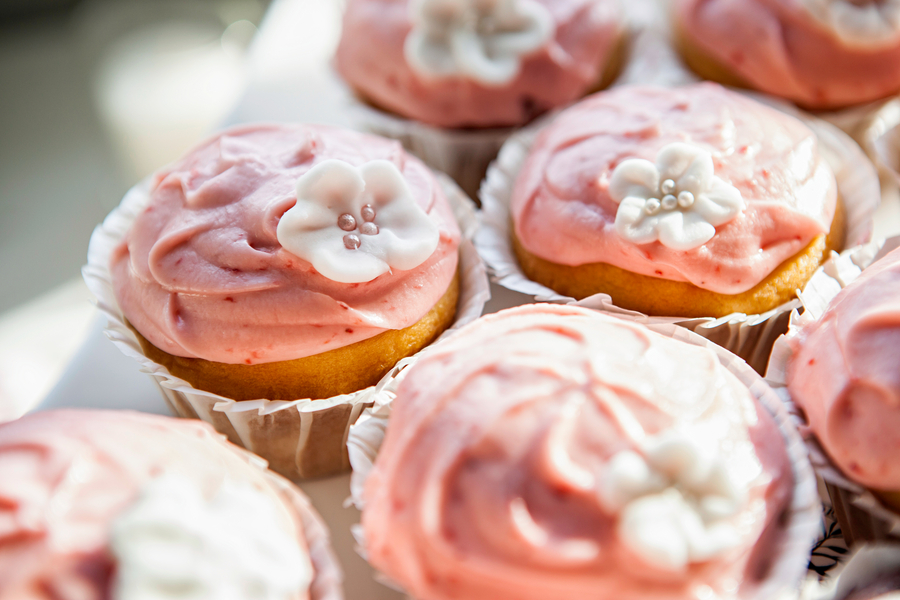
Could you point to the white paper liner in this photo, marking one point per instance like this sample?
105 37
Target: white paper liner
869 565
748 336
301 438
825 284
367 435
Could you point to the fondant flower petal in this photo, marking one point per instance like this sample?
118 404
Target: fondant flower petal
529 27
472 59
720 204
684 230
634 224
407 237
334 260
634 177
335 181
698 174
428 56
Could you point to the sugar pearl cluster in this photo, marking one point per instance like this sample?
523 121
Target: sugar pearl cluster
348 222
671 198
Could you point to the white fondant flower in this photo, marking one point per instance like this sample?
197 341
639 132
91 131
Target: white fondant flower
356 223
673 502
173 543
866 23
484 40
678 201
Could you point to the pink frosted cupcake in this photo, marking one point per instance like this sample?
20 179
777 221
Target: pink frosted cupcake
115 505
819 54
274 275
843 375
552 452
456 65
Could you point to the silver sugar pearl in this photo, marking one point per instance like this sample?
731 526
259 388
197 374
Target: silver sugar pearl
352 241
347 222
685 199
368 229
669 202
368 213
652 206
668 186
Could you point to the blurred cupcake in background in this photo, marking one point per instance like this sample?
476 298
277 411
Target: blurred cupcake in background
126 506
821 54
450 78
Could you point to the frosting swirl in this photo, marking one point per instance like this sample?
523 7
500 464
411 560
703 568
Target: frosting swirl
820 53
843 373
525 454
203 273
564 210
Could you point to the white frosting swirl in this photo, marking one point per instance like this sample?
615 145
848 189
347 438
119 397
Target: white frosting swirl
356 223
173 544
483 40
678 201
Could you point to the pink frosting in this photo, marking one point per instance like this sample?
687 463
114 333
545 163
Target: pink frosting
779 47
844 375
66 475
370 58
502 414
201 273
563 211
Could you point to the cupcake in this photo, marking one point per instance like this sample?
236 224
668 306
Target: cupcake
120 505
842 374
820 54
281 263
552 451
679 202
461 67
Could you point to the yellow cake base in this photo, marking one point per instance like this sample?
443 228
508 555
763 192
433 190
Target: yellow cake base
662 297
332 373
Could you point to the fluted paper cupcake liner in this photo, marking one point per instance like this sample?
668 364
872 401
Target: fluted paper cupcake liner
860 513
749 336
802 519
300 438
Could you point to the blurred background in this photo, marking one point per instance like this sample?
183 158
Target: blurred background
97 94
